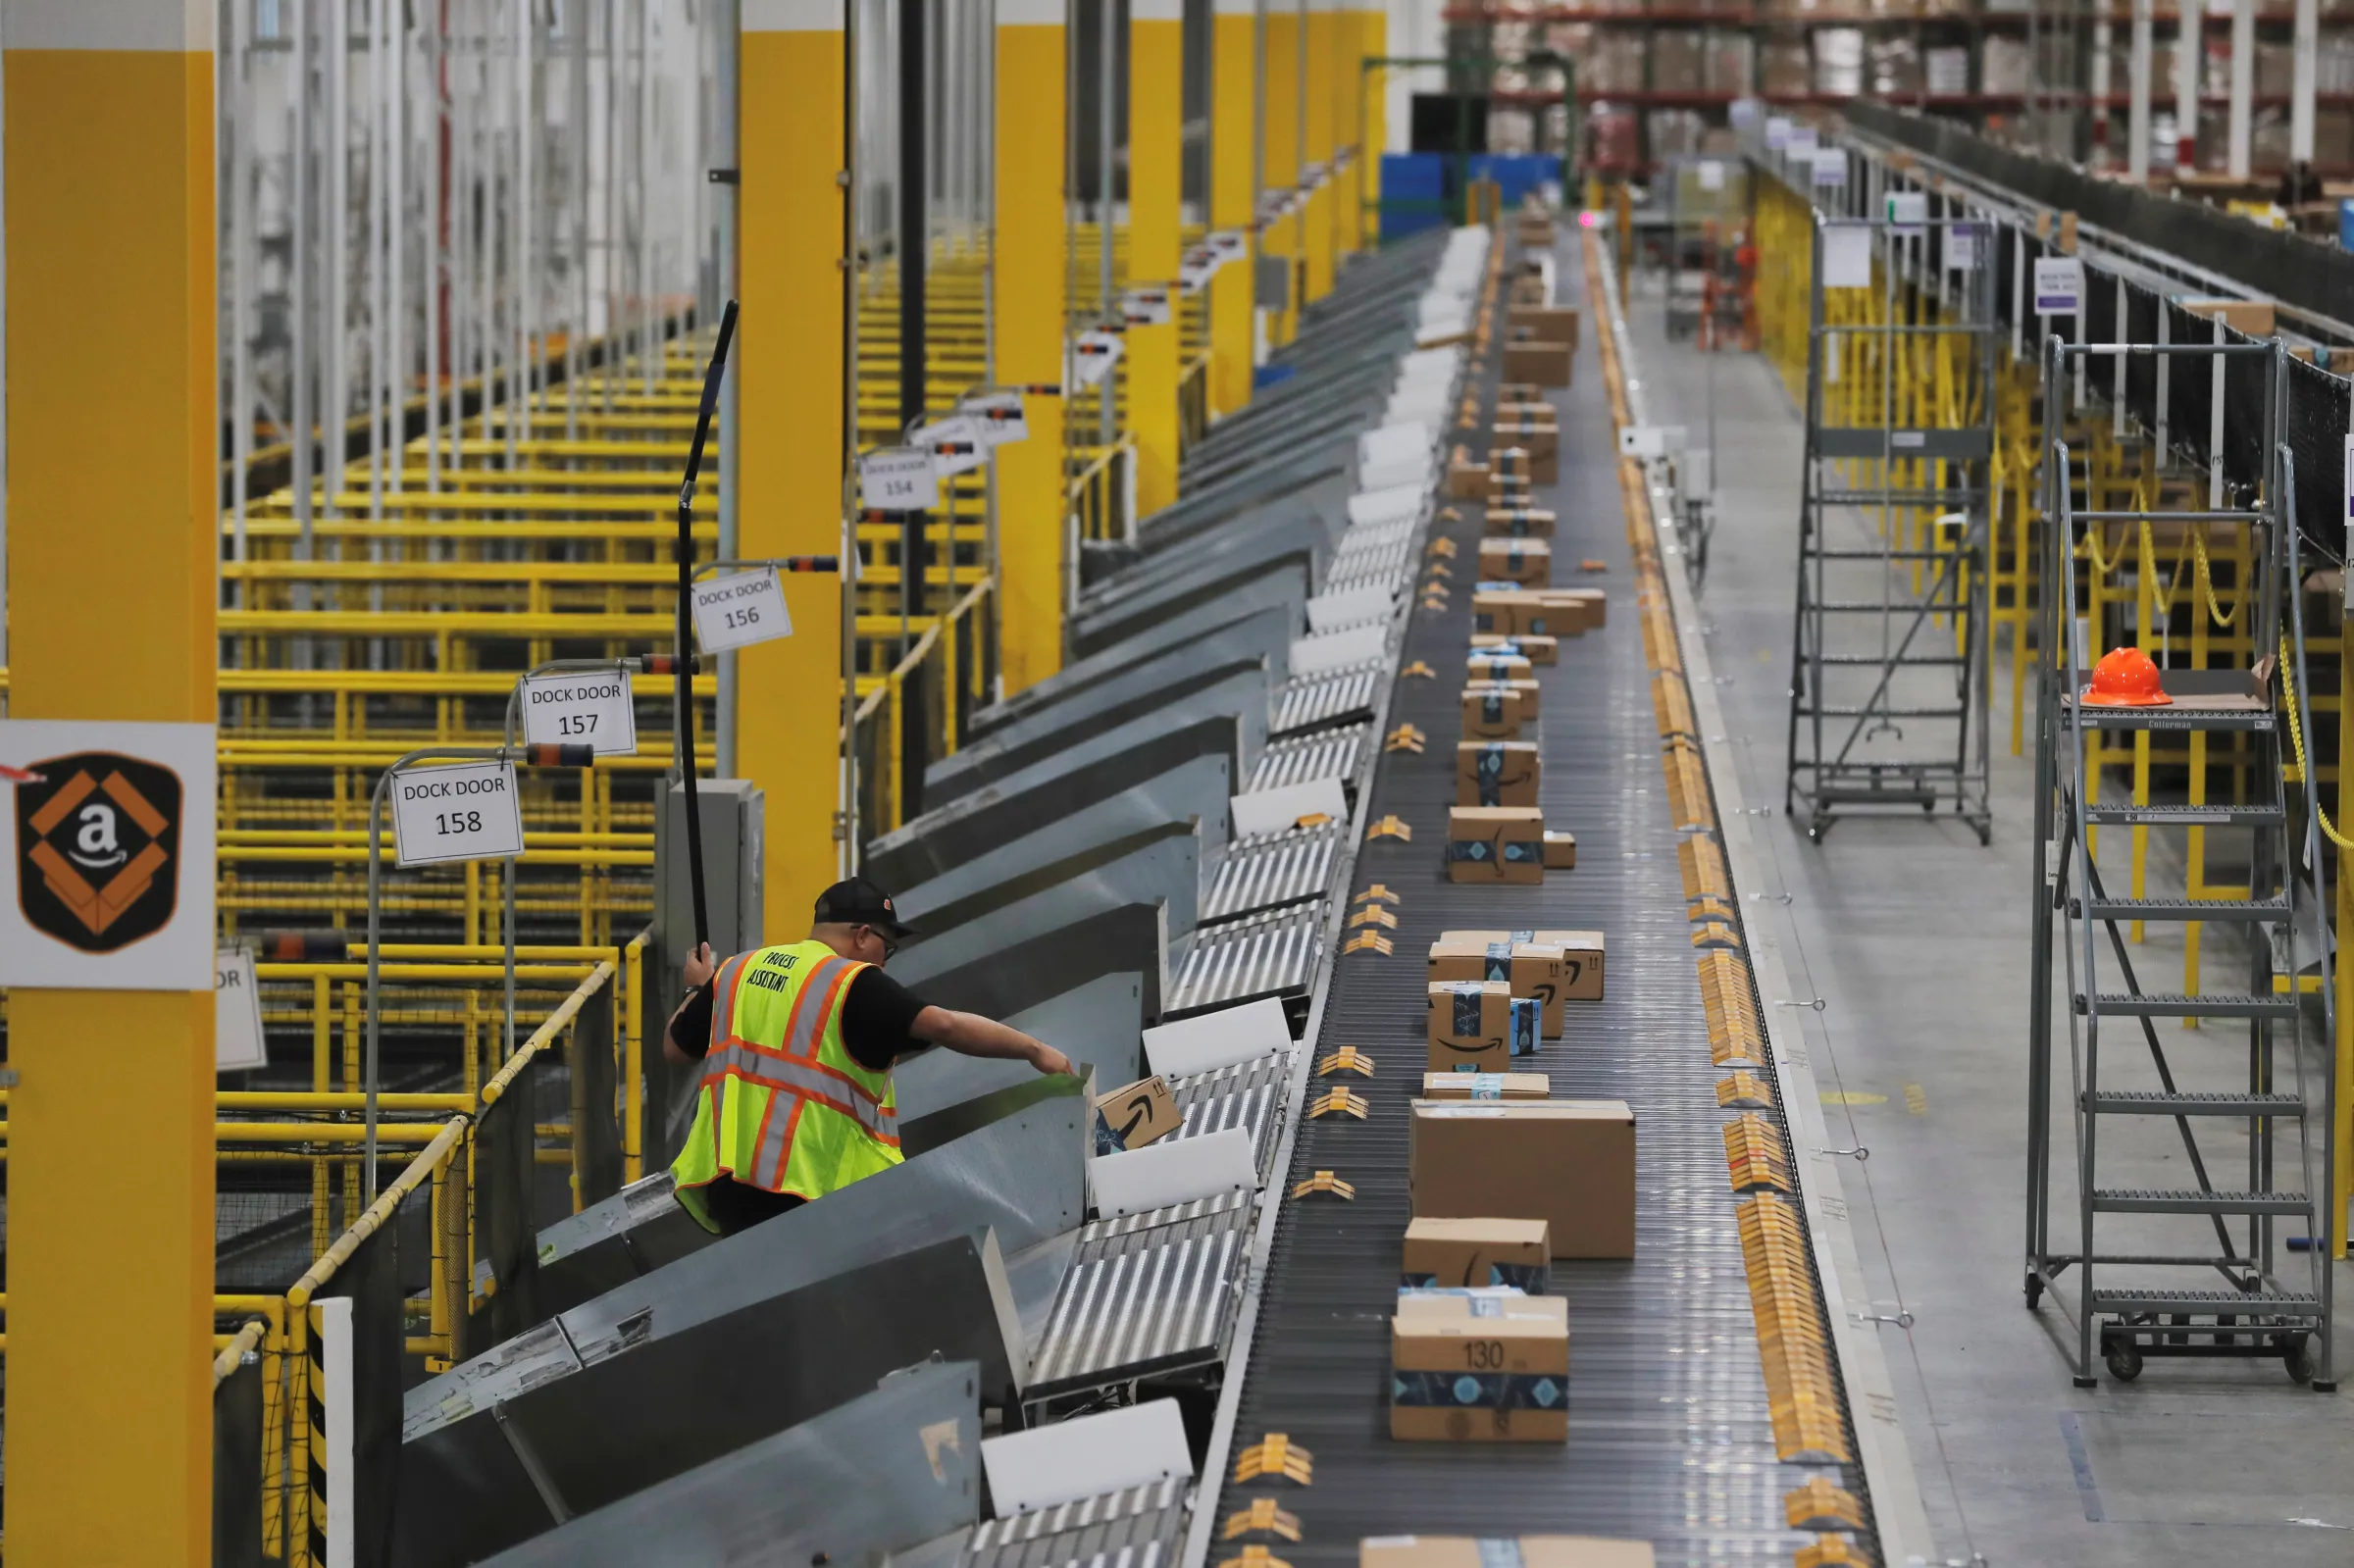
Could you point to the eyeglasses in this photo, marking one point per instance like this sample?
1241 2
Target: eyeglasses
890 948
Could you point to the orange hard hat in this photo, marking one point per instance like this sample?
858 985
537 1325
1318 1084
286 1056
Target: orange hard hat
2125 678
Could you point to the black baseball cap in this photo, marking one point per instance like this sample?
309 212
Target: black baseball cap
859 902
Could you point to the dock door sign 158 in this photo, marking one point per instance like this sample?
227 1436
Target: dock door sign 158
463 811
592 707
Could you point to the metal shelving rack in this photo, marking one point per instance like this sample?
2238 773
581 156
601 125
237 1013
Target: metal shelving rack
2152 1311
1891 637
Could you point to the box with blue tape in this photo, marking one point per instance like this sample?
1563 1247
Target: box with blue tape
1483 1366
1527 562
1496 773
1470 1026
1494 845
1473 1252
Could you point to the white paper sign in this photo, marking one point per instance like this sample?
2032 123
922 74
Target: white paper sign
1777 134
1962 248
1802 141
592 707
1198 267
1830 168
2059 285
1093 355
1712 174
740 610
237 1043
999 416
954 444
1229 244
1147 306
457 811
106 872
1847 258
897 478
1909 211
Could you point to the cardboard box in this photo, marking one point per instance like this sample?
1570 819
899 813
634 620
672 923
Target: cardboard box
1491 1367
1493 711
2253 317
1528 562
1470 1026
1143 1112
1536 649
1468 1253
1570 1163
1560 851
1494 845
1546 364
1534 972
1487 664
1487 1086
1545 324
1591 604
1514 612
1539 439
1533 1551
1518 522
1496 773
1467 481
1582 954
1507 463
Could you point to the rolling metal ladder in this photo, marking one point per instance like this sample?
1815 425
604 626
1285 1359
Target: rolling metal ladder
2129 1302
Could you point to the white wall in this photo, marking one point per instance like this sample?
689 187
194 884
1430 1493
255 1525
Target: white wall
1414 29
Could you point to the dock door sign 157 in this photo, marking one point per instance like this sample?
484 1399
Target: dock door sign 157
461 811
592 707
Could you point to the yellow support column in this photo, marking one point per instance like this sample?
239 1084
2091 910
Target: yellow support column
1233 133
1318 117
1374 123
789 370
1155 139
1279 170
1349 129
114 451
1026 290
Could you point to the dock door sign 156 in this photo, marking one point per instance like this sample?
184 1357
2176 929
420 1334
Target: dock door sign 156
738 611
464 811
592 707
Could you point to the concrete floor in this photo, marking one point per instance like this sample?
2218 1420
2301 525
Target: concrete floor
1918 939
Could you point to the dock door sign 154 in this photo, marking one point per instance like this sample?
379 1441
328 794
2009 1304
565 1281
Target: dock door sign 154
461 811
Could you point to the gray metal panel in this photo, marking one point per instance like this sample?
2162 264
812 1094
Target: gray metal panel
1240 627
673 1403
883 1473
1167 874
1106 822
1173 671
1136 1304
630 1234
1273 954
1310 701
1095 1025
1265 534
1136 1528
1274 869
1240 689
1295 572
1023 974
1164 778
1325 754
1162 862
1964 445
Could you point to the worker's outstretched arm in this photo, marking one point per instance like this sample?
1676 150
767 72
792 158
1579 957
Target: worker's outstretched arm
971 1034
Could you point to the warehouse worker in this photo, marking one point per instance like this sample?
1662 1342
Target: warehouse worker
798 1043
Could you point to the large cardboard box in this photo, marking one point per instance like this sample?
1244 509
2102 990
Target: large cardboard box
1487 1086
1496 773
1547 323
1141 1113
1593 604
1570 1163
1487 664
1544 466
1467 481
1493 711
1582 955
1528 562
1546 364
1519 522
1500 611
1531 969
1539 439
1473 1252
1470 1026
1494 845
1536 649
1531 1552
1485 1367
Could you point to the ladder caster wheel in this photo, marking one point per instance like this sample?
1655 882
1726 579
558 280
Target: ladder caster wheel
2034 1291
2086 1383
2323 1385
2125 1362
2296 1358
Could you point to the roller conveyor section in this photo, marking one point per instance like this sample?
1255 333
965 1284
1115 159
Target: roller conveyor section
1136 1528
1065 892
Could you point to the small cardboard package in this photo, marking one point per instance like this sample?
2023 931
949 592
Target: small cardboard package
1541 463
1485 1366
1472 1253
1496 773
1487 1086
1535 648
1467 481
1540 438
1493 710
1144 1112
1531 1551
1570 1163
1470 1026
1494 845
1490 664
1519 523
1583 953
1511 611
1525 561
1593 604
1546 364
1533 969
1561 850
1545 324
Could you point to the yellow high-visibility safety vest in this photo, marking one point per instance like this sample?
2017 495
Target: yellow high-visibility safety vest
784 1106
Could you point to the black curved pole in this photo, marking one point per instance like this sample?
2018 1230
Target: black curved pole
683 665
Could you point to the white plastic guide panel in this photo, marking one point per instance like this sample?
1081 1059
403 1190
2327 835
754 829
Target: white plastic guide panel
1207 1042
1086 1457
1356 607
1339 650
1280 809
1183 1170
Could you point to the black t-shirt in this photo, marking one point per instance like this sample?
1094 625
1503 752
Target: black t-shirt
878 1020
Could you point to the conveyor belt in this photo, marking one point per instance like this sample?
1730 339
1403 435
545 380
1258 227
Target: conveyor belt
1270 954
1269 870
1302 759
1313 701
1670 1439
